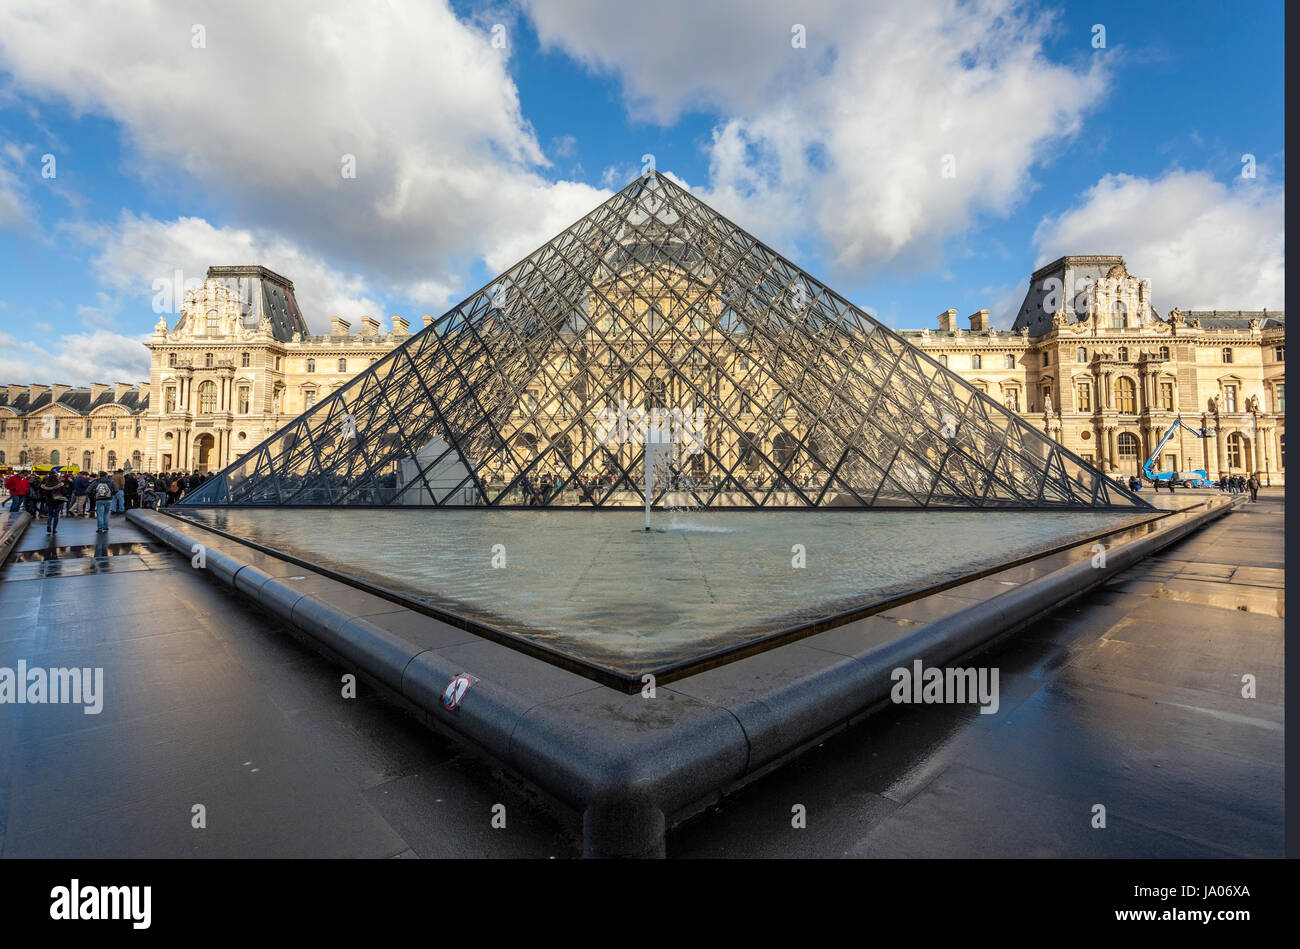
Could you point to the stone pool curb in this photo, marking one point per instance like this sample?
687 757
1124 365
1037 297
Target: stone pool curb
632 765
15 526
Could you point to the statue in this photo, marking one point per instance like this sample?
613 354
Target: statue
160 328
1047 403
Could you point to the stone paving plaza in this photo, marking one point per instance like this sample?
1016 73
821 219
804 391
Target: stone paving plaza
1128 698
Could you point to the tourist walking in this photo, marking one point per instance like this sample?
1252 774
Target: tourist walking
79 485
17 485
1253 486
52 500
119 492
101 493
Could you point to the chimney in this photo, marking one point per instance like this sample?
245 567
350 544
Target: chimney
15 391
948 321
428 320
400 326
339 326
96 390
369 326
120 389
979 321
58 391
35 391
143 387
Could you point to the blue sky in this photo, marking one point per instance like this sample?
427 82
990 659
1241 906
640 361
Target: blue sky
174 156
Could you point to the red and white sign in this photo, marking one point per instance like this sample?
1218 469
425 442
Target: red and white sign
456 690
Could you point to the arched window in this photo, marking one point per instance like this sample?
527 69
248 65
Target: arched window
1126 445
112 460
784 447
311 365
86 460
1123 354
207 360
1227 354
2 457
54 457
22 459
656 393
1125 396
1118 315
976 361
245 360
1009 361
749 450
343 365
136 460
1234 450
214 324
1164 352
207 397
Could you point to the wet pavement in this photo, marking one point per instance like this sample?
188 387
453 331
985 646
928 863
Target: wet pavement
1130 700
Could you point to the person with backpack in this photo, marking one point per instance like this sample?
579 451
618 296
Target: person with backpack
101 492
52 499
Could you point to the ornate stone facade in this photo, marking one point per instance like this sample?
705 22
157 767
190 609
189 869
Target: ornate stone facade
1088 360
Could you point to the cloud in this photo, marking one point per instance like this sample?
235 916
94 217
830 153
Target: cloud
75 359
1203 244
265 110
840 146
131 256
15 209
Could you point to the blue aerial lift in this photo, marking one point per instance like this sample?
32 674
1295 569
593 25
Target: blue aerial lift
1197 477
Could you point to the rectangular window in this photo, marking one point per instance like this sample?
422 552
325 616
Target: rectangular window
1278 353
245 360
112 428
1167 396
310 398
1085 398
243 400
87 428
1229 398
1279 397
169 404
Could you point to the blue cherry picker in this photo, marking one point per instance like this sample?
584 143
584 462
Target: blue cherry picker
1197 477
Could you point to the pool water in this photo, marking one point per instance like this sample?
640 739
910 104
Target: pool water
597 588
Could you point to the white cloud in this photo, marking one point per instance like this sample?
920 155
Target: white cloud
15 208
840 144
447 168
131 255
75 359
1202 244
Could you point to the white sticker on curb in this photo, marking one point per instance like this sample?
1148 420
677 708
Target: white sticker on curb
456 689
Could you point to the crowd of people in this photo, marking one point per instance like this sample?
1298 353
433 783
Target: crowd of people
1235 484
103 494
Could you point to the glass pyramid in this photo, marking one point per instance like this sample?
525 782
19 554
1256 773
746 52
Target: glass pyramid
656 348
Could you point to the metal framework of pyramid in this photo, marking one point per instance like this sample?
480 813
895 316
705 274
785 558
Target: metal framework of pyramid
656 332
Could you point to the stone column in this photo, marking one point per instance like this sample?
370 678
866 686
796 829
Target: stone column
1110 446
1221 448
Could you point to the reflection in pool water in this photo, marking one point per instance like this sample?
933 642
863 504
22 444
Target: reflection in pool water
595 586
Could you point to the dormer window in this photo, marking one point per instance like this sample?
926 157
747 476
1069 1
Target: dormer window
214 324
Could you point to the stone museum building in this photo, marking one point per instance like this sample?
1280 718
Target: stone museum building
1088 361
